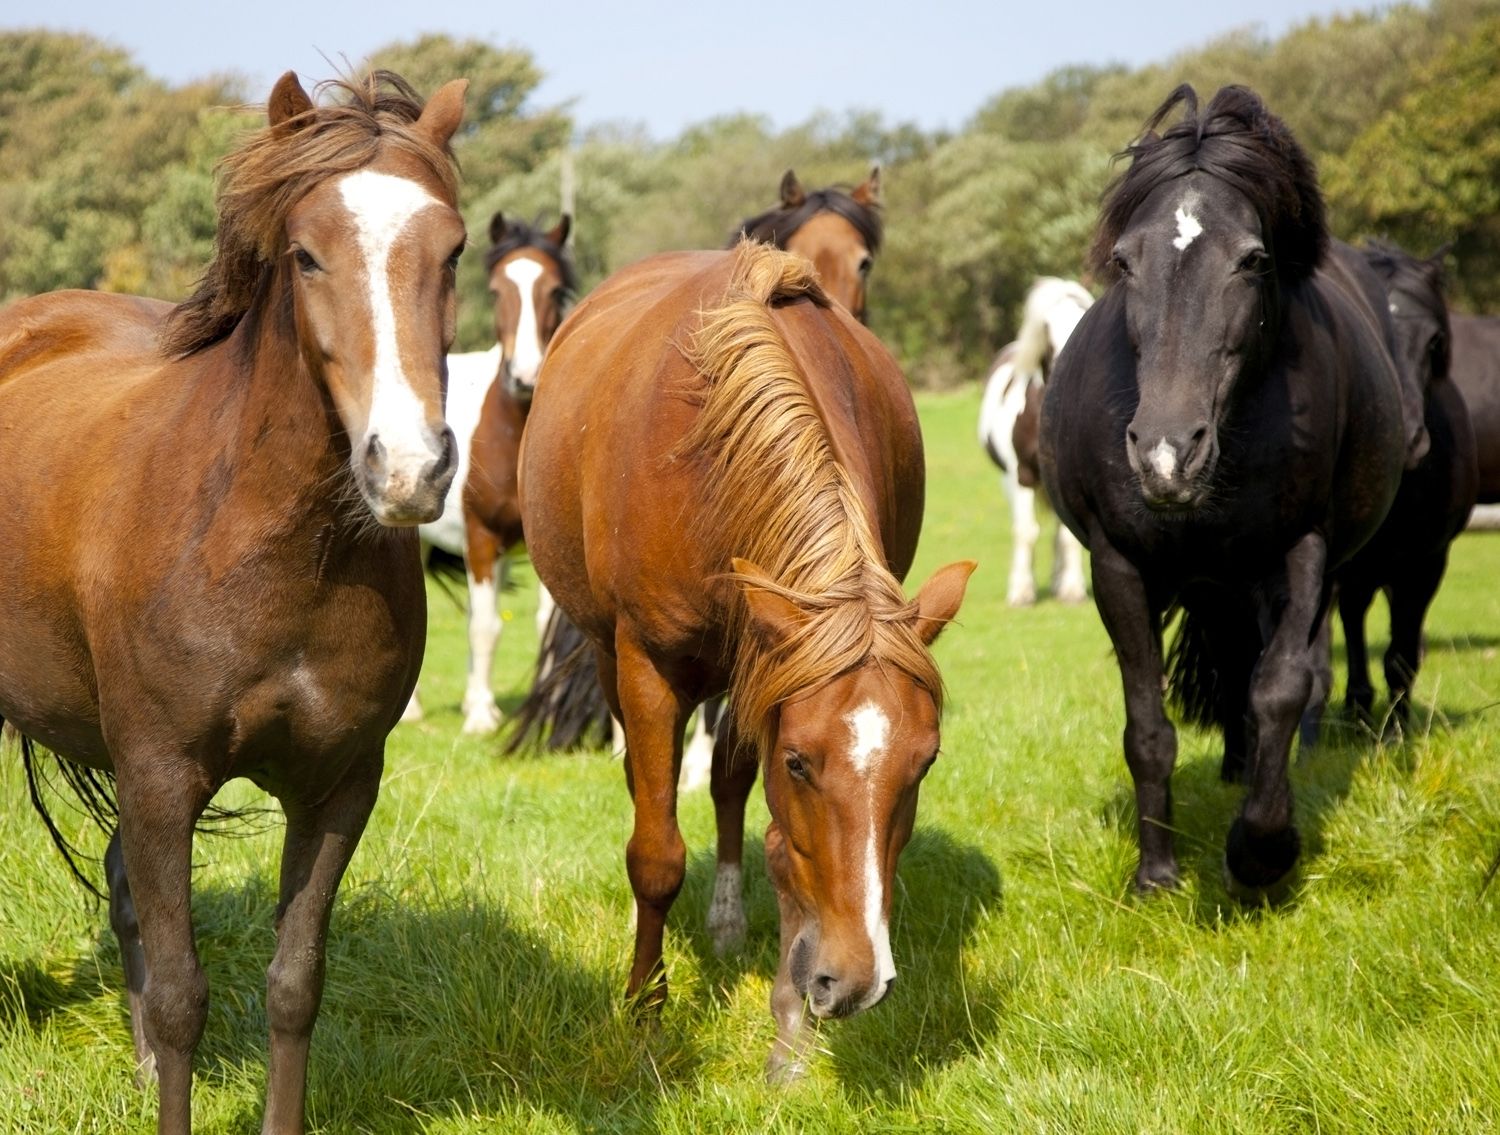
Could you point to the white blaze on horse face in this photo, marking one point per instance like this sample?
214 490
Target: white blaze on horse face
526 360
871 729
382 206
1164 458
1188 228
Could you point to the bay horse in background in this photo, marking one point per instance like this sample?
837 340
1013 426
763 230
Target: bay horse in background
736 513
531 282
1407 556
839 231
224 581
1010 416
1475 370
1223 433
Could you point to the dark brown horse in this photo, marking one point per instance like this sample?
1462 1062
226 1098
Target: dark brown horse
489 393
722 483
224 582
1223 431
1475 354
840 232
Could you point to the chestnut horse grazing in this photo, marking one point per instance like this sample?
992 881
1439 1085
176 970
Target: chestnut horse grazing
489 393
223 581
726 499
839 232
1223 431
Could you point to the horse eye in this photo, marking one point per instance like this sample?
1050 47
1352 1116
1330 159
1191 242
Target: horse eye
453 258
797 767
305 261
865 264
1254 262
1119 263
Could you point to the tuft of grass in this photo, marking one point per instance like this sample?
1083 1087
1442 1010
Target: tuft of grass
482 936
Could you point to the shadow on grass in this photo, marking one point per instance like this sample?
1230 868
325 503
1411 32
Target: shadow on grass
933 1015
436 1009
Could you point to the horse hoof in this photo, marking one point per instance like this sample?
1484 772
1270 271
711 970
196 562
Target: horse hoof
1161 877
481 719
728 934
783 1073
1025 598
1258 869
1071 595
413 710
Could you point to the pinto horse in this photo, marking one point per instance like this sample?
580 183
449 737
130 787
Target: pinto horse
224 581
1009 421
1407 556
839 232
736 513
1223 432
489 393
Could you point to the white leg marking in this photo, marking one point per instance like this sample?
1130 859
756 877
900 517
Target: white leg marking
481 714
1021 592
544 607
381 206
1069 586
1188 229
698 757
413 710
726 913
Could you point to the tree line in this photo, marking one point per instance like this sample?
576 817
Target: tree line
106 173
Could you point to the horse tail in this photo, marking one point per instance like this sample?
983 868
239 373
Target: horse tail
449 572
1209 664
93 791
566 704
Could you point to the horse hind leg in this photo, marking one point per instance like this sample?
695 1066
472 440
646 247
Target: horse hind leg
734 769
486 577
127 928
1021 590
1067 567
698 757
1409 599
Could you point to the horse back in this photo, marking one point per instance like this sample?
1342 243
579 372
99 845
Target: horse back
59 326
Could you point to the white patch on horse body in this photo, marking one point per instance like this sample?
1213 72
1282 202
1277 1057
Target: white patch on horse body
1164 458
524 272
382 205
1188 228
871 728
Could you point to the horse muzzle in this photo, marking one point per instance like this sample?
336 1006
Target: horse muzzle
402 490
1173 467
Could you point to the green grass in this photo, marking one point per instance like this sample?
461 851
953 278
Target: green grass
481 938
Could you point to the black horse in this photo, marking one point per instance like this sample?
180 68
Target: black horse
1407 557
1475 368
1223 430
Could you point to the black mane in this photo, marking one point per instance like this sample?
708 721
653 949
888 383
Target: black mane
519 234
776 226
1237 140
1422 282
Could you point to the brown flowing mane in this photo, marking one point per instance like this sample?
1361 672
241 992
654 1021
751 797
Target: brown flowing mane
274 169
781 499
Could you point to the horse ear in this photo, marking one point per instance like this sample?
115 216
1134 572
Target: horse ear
792 193
940 598
497 227
773 617
287 104
443 112
559 235
868 194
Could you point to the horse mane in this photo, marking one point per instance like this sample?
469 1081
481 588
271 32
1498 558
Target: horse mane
776 226
1034 339
776 495
264 178
518 235
1237 140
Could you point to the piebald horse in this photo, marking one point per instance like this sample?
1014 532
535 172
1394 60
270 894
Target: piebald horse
1223 432
531 282
736 514
1009 423
224 581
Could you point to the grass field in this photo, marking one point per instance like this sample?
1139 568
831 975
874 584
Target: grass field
481 939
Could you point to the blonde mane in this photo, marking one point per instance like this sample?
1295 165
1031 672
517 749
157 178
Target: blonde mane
261 180
776 495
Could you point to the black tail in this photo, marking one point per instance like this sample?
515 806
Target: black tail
448 572
566 708
1210 660
93 791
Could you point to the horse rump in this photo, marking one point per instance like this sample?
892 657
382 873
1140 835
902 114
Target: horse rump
566 708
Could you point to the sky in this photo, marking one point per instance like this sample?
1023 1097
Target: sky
669 63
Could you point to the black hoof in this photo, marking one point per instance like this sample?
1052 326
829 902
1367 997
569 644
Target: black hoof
1257 868
1158 877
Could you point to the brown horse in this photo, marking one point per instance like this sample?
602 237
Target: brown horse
224 582
489 393
839 232
727 499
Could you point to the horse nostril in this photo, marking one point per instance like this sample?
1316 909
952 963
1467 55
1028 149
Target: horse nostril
823 986
375 455
445 459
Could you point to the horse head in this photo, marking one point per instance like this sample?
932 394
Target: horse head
843 767
531 280
1213 220
1419 313
371 253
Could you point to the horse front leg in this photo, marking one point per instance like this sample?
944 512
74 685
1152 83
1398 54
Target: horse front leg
127 928
485 564
320 839
733 775
656 856
1409 596
160 802
1067 567
1021 591
1134 626
1263 844
1354 602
